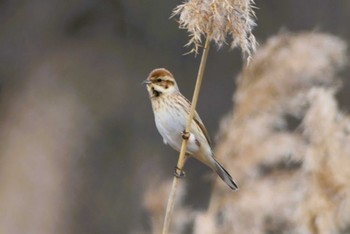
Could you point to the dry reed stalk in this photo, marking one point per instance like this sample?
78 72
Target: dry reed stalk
157 204
181 160
214 20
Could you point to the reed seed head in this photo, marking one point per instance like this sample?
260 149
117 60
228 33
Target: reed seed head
218 20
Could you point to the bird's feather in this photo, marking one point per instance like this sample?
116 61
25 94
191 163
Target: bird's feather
197 121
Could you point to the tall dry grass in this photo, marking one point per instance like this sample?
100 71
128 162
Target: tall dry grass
213 20
286 142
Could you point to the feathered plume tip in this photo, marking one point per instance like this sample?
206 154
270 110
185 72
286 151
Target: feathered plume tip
219 19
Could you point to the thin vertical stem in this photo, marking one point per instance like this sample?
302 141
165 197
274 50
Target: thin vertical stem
181 160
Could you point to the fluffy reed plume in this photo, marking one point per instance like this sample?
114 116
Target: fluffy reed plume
155 199
286 142
218 19
326 205
214 20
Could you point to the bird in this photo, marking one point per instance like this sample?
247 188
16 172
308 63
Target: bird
171 110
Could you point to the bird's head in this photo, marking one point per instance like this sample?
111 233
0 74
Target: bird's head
159 82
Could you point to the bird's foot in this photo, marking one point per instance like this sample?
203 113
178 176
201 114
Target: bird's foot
185 135
179 173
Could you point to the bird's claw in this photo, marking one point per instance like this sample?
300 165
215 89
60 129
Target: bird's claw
179 173
185 135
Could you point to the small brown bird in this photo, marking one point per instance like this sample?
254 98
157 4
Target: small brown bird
171 110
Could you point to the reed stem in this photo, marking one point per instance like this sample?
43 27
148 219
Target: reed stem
181 161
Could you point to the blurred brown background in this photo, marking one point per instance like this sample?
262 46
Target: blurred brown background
78 142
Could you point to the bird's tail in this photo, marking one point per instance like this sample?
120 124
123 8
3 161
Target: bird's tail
224 175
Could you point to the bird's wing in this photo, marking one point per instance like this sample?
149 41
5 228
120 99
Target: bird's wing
198 121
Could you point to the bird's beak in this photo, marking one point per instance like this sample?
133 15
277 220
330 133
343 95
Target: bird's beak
147 81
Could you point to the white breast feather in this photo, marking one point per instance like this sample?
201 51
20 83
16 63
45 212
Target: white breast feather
170 126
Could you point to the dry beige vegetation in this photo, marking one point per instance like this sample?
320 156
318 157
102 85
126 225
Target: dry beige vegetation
286 143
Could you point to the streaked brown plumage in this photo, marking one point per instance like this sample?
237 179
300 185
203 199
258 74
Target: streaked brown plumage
171 110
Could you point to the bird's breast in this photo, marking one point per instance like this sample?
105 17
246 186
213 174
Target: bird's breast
171 119
170 123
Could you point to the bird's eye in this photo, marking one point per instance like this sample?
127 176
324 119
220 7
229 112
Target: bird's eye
159 80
